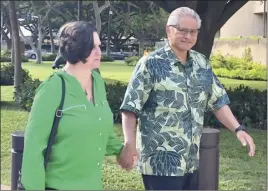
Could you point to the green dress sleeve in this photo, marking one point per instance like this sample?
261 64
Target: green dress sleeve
37 132
114 146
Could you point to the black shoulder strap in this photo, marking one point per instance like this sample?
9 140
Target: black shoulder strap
58 115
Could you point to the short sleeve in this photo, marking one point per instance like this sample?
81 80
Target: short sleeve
218 96
138 89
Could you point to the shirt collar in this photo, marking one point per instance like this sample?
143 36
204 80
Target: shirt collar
174 60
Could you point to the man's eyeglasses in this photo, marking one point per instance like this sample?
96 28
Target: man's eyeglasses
183 31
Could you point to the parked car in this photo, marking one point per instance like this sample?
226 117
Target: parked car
32 55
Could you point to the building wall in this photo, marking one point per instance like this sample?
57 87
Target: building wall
247 21
237 48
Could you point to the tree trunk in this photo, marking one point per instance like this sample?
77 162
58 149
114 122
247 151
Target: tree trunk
40 37
7 39
16 43
97 16
80 10
214 14
12 52
51 37
141 50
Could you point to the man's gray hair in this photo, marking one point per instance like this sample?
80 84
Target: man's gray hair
181 12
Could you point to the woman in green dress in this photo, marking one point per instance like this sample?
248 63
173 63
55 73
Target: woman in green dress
85 132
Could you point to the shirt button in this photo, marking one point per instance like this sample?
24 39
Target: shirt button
99 149
98 164
100 134
99 118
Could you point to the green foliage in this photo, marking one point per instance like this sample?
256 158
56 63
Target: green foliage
7 74
239 38
115 96
247 55
6 57
105 58
49 57
238 68
248 105
131 60
26 92
147 24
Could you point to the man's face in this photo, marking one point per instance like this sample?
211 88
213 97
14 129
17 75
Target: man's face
183 36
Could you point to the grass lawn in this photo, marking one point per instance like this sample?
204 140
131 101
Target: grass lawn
118 71
237 170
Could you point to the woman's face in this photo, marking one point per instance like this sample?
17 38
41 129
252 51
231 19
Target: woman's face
95 55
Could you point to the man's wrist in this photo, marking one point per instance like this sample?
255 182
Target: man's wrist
240 128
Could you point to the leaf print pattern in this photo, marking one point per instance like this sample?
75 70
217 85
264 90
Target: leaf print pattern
165 163
159 69
170 100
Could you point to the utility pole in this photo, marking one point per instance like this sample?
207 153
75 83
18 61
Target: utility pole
2 24
108 51
264 19
80 10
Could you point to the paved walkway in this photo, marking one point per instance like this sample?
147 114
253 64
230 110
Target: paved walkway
4 187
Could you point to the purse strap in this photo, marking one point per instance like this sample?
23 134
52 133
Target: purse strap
58 115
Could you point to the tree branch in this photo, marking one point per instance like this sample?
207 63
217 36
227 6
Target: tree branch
57 11
231 8
45 17
107 4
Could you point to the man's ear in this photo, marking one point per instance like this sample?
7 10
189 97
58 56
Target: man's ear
167 29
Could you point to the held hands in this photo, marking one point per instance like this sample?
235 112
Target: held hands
128 156
245 139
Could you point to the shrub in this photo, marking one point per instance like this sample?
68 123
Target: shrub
248 105
24 58
115 96
131 61
49 57
7 74
26 92
105 58
238 68
6 57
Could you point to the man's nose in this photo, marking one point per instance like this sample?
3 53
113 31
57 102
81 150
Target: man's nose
188 35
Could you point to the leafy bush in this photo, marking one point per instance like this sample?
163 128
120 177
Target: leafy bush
24 58
131 60
26 92
115 96
49 57
7 74
105 58
6 57
248 105
238 68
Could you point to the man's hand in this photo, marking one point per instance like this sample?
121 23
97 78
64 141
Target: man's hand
245 139
128 156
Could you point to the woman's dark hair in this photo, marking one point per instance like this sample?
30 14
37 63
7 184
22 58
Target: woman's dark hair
76 41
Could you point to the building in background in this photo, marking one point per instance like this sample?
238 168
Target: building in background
250 20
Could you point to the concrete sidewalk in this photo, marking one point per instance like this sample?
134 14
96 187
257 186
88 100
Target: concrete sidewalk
4 187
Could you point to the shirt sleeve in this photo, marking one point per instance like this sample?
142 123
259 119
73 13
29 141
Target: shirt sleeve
138 89
114 146
218 97
37 132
